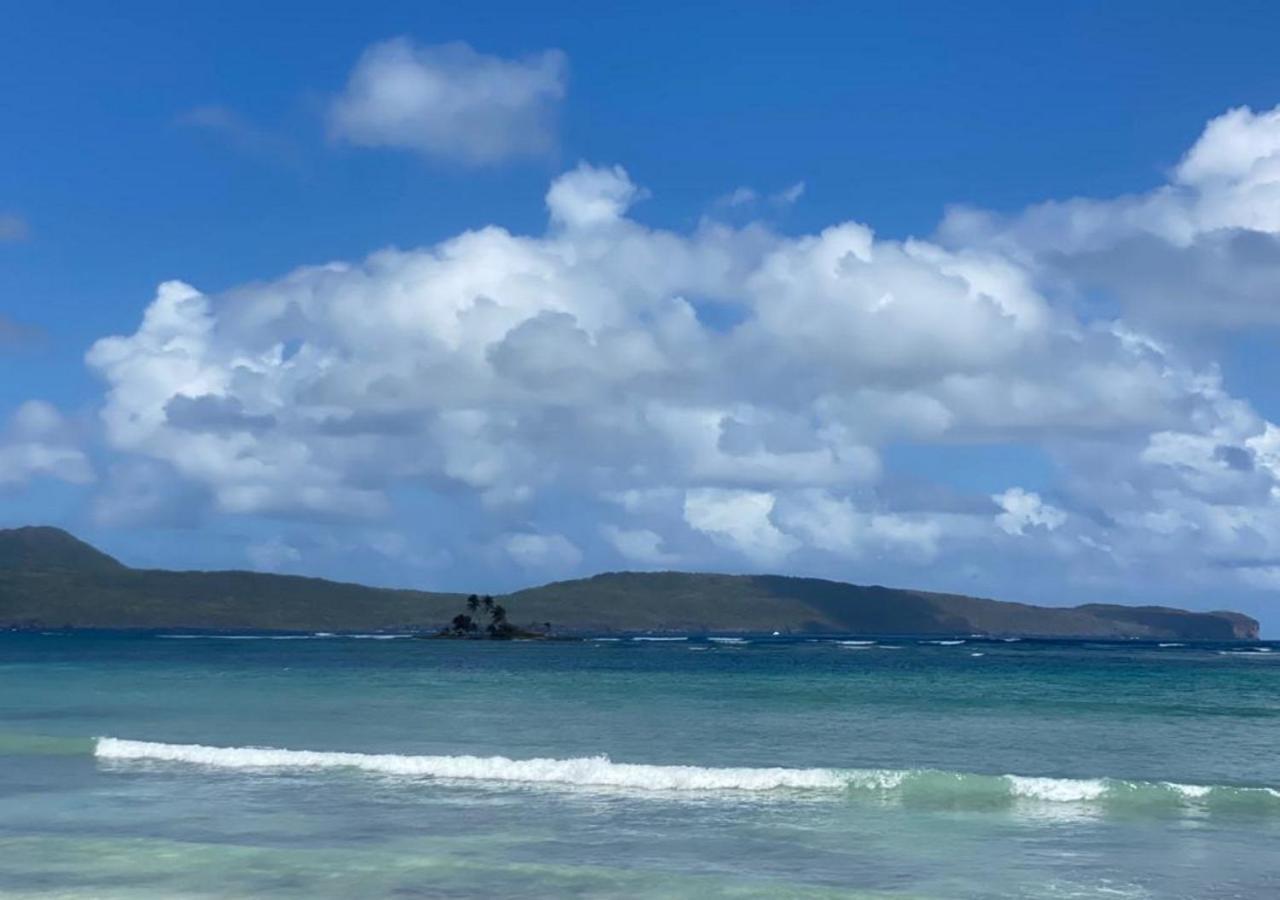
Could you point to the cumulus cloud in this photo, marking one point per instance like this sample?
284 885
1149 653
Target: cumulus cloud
548 383
740 520
836 525
450 101
38 441
1202 249
1021 510
590 197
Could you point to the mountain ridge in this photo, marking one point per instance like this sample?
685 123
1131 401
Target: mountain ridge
51 579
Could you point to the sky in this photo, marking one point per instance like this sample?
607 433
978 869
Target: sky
969 297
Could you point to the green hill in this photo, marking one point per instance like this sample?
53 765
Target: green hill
49 579
680 601
43 549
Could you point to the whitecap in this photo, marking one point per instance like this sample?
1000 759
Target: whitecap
1190 791
598 771
1057 790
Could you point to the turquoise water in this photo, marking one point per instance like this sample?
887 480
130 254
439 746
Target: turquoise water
147 766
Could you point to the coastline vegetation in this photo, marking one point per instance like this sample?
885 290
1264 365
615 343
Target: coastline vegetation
471 624
51 580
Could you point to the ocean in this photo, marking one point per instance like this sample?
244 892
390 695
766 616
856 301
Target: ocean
341 766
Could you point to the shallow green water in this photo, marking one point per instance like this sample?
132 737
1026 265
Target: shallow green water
143 766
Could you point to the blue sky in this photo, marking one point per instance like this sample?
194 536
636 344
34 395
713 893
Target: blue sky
692 360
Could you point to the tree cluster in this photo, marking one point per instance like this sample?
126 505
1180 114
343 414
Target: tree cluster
472 622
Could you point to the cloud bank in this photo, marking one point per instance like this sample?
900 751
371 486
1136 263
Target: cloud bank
567 395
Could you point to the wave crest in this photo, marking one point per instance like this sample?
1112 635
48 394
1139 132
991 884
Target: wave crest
923 787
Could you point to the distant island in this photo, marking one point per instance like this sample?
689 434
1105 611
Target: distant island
51 580
470 625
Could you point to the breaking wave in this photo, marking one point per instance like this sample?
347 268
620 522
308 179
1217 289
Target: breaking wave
922 787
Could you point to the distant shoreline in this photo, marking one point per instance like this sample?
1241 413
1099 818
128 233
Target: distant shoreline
50 580
924 638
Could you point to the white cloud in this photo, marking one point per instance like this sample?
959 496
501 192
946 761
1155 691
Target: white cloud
739 520
571 377
38 441
589 196
1201 250
450 101
1238 145
835 525
1023 510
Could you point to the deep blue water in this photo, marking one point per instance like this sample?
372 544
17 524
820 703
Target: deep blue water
151 766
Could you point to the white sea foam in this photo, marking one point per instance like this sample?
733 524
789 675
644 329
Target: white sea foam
1057 790
1172 644
728 640
662 639
599 772
1190 791
944 643
856 643
1256 654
